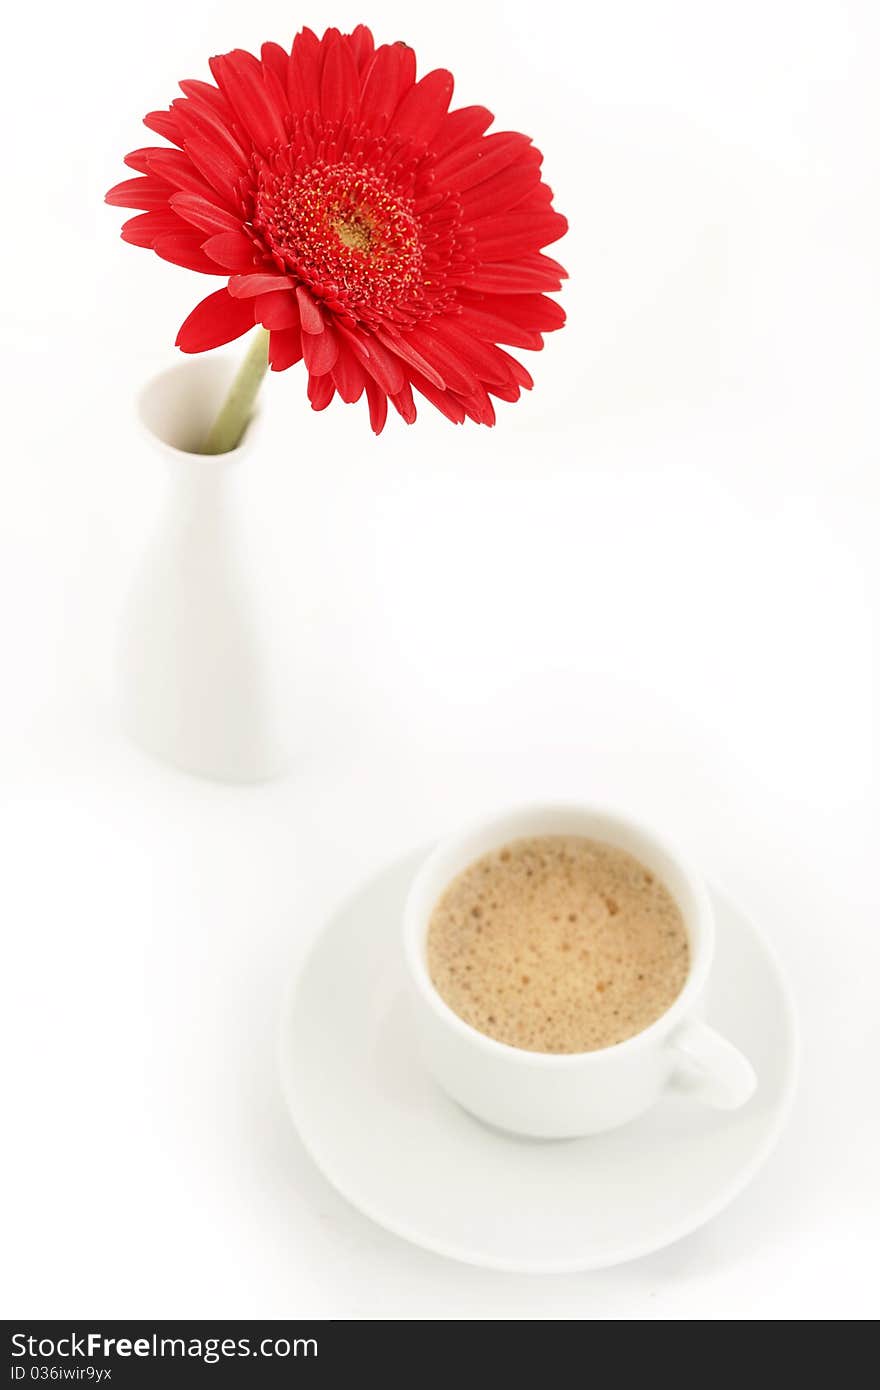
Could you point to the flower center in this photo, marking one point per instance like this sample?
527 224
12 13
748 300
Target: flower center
344 229
355 231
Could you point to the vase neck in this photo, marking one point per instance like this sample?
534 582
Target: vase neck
197 484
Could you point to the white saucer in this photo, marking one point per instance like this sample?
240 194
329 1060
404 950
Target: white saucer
393 1144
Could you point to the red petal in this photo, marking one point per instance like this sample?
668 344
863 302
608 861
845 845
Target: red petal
497 330
485 359
164 124
321 391
517 370
199 120
239 76
378 403
320 350
508 392
404 404
502 238
362 46
501 192
137 159
217 168
310 315
285 349
276 60
446 360
175 167
532 311
384 367
512 277
246 286
383 85
304 74
422 109
232 250
339 82
147 226
479 407
536 199
401 345
407 68
446 403
461 127
185 248
479 159
217 320
538 261
202 213
355 339
206 94
348 374
276 89
146 193
277 310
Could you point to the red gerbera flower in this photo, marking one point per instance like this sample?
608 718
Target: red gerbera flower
386 241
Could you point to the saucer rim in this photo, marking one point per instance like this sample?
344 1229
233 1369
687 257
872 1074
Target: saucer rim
582 1263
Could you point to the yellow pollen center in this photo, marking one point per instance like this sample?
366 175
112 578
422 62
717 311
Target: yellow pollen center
354 231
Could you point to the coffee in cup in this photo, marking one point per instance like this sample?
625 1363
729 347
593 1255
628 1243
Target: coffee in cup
558 944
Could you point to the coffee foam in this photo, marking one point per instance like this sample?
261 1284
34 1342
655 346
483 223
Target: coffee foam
558 944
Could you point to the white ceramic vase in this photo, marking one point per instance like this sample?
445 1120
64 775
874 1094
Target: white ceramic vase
194 678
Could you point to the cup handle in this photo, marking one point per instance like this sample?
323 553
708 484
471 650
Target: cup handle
710 1068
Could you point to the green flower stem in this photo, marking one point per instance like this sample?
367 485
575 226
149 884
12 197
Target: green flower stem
228 428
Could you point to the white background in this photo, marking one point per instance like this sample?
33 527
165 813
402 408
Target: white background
655 581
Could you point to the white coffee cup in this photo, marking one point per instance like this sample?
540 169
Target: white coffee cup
562 1095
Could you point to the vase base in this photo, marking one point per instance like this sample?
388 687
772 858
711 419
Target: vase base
225 771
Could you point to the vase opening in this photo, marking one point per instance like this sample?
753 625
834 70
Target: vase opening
178 407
